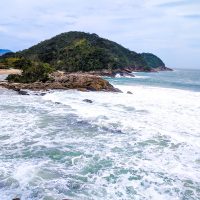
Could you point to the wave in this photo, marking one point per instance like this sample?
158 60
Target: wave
132 77
144 106
140 146
126 76
142 77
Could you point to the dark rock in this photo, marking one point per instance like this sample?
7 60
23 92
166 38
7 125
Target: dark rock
118 90
57 103
40 94
129 92
88 101
16 199
112 73
21 92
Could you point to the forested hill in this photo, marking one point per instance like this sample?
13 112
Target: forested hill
75 51
152 60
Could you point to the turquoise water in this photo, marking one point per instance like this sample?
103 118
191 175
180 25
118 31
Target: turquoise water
144 146
179 78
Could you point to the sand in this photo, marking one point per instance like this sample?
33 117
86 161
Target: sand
9 71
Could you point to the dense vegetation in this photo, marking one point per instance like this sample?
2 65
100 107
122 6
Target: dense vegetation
74 51
152 60
31 72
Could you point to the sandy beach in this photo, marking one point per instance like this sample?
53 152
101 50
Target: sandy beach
9 71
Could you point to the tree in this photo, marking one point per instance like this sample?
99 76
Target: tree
32 72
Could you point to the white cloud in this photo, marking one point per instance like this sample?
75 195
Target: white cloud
169 28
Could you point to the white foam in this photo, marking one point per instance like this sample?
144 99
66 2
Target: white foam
142 77
151 136
126 76
153 112
163 110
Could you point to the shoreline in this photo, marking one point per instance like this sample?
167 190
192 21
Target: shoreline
127 71
82 81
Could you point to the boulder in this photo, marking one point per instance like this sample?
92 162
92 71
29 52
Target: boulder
88 101
22 92
129 92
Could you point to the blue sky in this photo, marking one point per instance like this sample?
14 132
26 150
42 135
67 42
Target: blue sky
167 28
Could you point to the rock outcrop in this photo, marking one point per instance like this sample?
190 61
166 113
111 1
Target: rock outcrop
63 81
113 73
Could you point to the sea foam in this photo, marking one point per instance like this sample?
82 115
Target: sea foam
121 146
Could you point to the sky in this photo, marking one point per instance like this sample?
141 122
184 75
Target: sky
168 28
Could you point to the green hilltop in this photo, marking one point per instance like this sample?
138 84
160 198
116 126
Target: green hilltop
79 51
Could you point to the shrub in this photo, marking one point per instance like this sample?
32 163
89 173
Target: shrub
32 72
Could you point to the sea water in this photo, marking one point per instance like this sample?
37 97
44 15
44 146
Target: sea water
144 146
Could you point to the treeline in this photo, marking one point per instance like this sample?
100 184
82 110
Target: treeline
77 51
74 51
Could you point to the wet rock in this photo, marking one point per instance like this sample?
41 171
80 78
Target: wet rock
40 94
88 101
112 73
21 92
129 92
79 81
82 89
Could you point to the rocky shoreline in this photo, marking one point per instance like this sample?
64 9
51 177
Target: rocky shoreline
126 72
82 81
63 81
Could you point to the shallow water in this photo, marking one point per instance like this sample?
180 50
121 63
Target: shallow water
122 146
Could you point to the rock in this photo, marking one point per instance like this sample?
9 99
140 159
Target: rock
64 81
88 101
82 89
112 73
129 92
23 92
16 199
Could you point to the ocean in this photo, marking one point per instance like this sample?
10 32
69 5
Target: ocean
140 146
